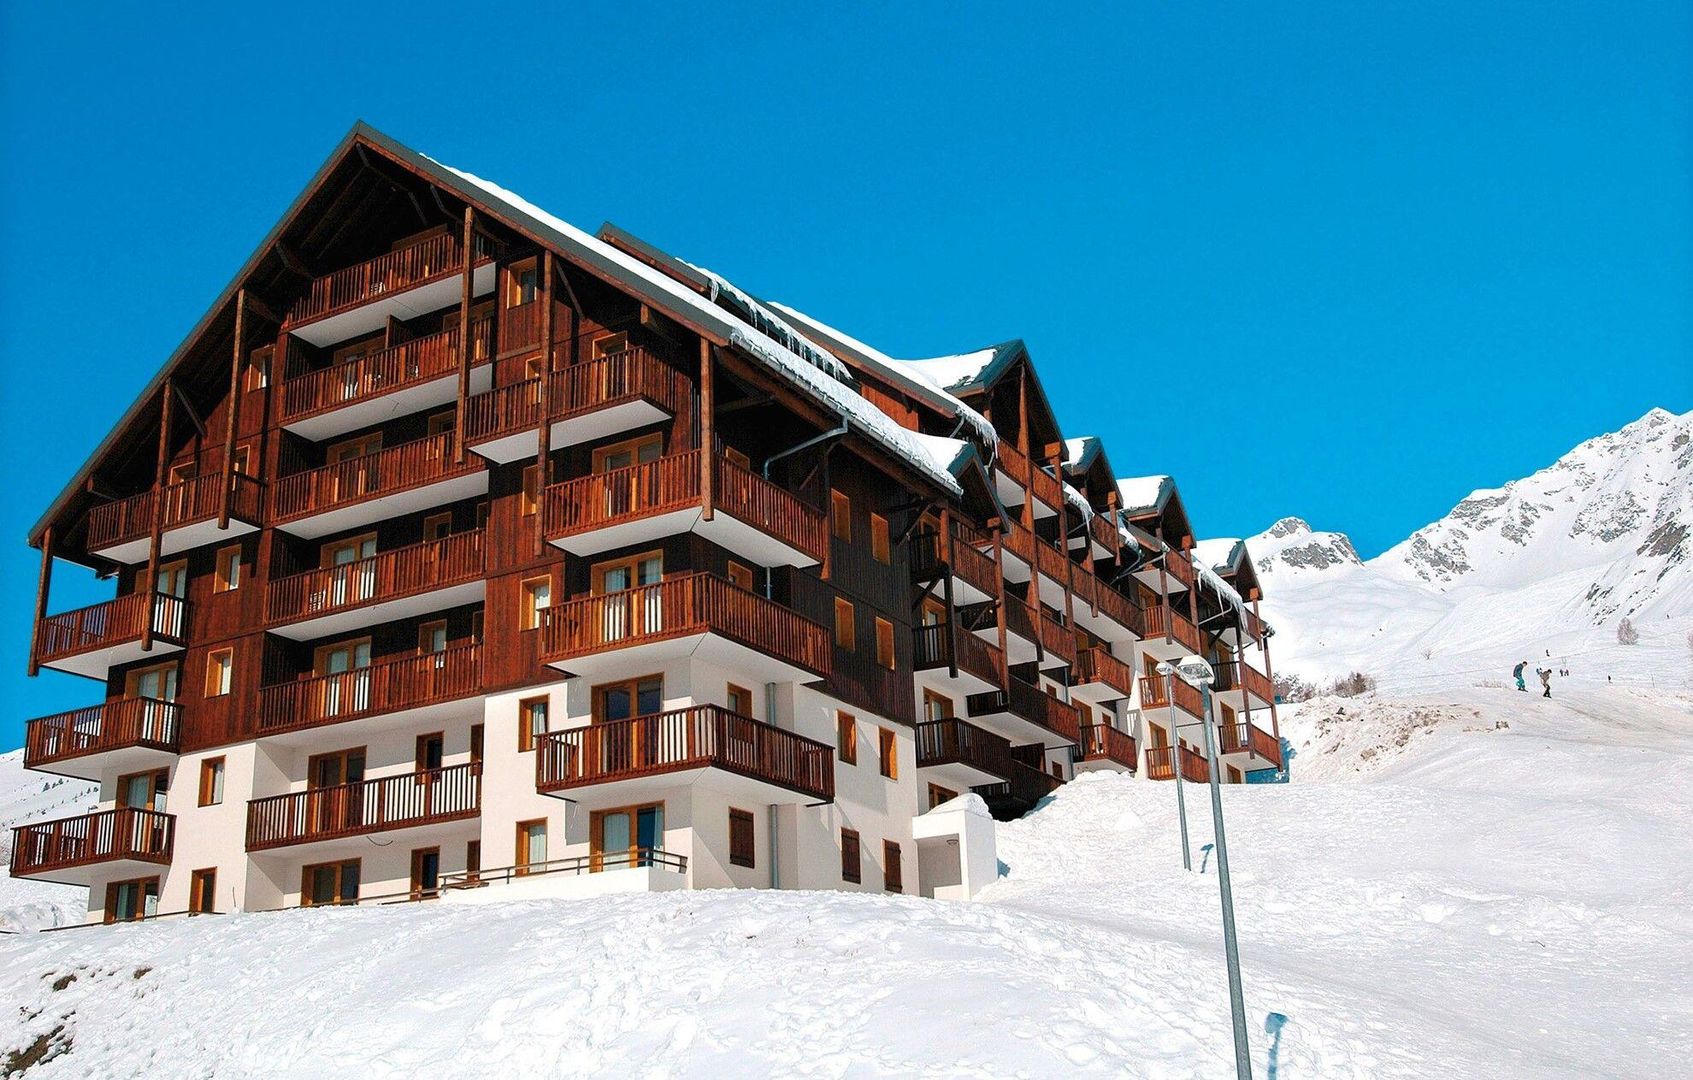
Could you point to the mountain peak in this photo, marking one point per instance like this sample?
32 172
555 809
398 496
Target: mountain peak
1292 547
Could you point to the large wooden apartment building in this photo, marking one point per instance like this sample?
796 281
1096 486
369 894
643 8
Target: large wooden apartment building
461 552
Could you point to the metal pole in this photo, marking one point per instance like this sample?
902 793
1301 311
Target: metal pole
1237 1000
1176 767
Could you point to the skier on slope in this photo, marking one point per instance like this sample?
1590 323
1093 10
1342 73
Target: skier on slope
1518 672
1546 681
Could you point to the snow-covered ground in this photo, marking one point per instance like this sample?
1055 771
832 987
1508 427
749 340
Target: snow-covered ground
30 796
1484 884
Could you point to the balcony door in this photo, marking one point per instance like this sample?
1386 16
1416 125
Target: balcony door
127 901
352 573
155 687
144 790
612 745
334 797
631 602
345 672
352 375
356 473
627 837
629 489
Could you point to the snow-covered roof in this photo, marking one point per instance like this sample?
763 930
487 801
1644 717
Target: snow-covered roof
951 372
1078 502
772 325
1225 592
1143 492
1218 552
949 454
1079 453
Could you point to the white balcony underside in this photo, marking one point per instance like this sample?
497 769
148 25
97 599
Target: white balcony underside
1018 649
1018 731
677 786
957 776
965 593
332 733
290 857
1102 765
1150 578
1101 625
109 870
375 408
712 648
402 304
406 607
118 761
938 680
584 427
1097 693
724 530
177 538
1155 645
1011 496
98 663
383 507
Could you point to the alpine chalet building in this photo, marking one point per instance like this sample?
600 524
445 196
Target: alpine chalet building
461 553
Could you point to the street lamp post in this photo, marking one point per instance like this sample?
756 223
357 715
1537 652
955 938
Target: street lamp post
1165 669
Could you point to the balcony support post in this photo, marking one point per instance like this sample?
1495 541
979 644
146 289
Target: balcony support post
42 583
544 422
1163 578
708 431
999 608
465 291
234 408
1269 672
162 464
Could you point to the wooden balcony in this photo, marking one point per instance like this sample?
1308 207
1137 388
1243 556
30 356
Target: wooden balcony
1020 792
1099 676
187 513
122 735
430 576
1024 713
978 663
1054 565
958 755
407 801
590 400
1172 573
1240 684
125 842
404 284
91 641
392 686
693 614
1102 744
1244 737
1103 610
974 578
700 745
1169 633
1194 766
402 379
1057 641
1104 535
1189 699
391 482
1042 484
641 503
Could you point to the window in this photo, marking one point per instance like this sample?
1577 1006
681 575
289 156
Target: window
881 547
127 901
329 883
1234 775
531 722
211 782
476 625
481 513
884 643
430 752
635 571
349 449
840 517
440 423
1057 771
888 747
523 283
893 875
936 706
846 738
220 672
625 837
144 790
624 454
158 683
242 460
938 795
629 698
737 458
258 367
741 838
846 630
610 344
172 580
425 871
227 574
531 845
476 744
740 576
473 861
437 526
530 498
852 868
537 597
740 700
202 892
432 637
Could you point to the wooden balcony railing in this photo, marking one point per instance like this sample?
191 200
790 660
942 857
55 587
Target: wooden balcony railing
1095 665
428 797
418 264
1031 703
118 724
395 368
1160 616
1238 675
1025 786
1043 484
1054 563
414 464
389 575
90 839
695 603
1194 766
1243 736
952 741
1102 742
1102 530
702 736
185 503
1188 698
673 483
1093 593
975 656
1055 639
1177 566
100 626
386 687
578 389
931 553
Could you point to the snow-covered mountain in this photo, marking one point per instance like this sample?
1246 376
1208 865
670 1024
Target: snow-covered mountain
1541 569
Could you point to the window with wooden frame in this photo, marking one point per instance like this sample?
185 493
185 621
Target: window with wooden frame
531 722
258 367
144 790
348 449
737 458
481 513
476 744
476 625
609 345
182 472
157 682
893 874
425 872
938 795
1057 771
629 572
936 706
202 892
740 575
627 698
531 845
353 352
129 901
622 455
431 751
881 543
846 628
323 884
441 423
529 497
1159 737
523 283
437 526
742 839
840 516
740 700
211 781
852 863
243 460
932 613
1234 774
172 579
625 836
472 861
432 637
887 745
846 738
884 643
537 597
226 571
220 672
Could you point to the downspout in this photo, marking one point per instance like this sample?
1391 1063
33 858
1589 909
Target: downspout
770 811
789 452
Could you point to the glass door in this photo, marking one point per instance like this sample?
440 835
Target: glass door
334 800
624 838
352 571
346 671
154 686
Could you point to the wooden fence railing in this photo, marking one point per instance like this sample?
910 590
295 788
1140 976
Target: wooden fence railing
577 389
388 575
1188 698
929 651
386 687
426 797
1194 766
1096 665
945 742
1242 736
397 270
111 725
111 623
1102 741
413 464
123 833
406 364
1031 703
1181 630
182 503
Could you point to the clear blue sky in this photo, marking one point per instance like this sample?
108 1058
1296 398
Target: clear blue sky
1337 260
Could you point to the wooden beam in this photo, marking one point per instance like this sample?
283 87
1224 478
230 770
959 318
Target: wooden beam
167 394
708 432
234 409
544 425
43 583
193 416
292 262
258 307
464 334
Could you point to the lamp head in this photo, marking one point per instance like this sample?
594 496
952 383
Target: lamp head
1195 671
1165 668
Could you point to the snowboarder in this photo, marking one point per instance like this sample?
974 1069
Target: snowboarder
1546 681
1518 672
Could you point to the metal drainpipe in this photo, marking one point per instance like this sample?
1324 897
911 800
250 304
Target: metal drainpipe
770 718
789 452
